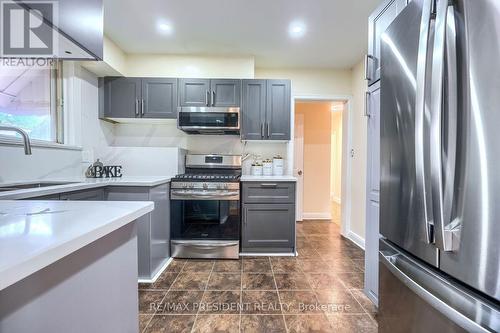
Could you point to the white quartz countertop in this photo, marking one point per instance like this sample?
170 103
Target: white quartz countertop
250 178
78 184
35 234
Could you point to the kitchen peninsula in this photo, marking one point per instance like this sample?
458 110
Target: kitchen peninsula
65 264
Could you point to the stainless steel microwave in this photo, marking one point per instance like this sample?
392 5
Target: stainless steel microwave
209 120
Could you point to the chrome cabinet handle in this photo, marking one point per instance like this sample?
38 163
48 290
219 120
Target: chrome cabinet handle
213 97
268 184
268 131
367 104
136 107
420 110
368 57
142 107
262 130
207 97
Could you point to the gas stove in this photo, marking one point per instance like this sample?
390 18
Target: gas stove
205 208
196 177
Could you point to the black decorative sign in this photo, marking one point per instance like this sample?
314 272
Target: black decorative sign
108 171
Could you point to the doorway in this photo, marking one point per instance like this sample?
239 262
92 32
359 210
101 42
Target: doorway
321 163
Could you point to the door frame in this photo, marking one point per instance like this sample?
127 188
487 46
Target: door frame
346 151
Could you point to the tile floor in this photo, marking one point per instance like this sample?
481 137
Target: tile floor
318 291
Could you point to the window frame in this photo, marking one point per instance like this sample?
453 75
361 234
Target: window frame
56 112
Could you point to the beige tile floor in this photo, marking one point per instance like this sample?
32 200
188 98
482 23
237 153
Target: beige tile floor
318 291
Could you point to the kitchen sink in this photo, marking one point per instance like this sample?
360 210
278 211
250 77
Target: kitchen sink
31 185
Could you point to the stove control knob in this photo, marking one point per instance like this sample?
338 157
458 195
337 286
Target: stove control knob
205 186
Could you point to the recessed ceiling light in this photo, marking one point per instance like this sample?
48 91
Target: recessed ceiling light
297 29
165 28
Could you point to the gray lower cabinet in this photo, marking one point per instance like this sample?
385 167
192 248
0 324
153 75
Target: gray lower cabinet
268 217
125 97
153 229
209 92
84 195
265 110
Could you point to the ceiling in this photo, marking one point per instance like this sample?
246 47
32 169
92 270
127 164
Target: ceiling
335 37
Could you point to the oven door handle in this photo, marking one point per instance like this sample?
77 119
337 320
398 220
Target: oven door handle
205 195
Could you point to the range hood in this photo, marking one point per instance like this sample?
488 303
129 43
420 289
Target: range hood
77 28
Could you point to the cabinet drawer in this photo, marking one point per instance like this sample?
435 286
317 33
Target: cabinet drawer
85 195
268 192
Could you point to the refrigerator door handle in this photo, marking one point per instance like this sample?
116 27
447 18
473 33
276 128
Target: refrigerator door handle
420 108
458 306
443 167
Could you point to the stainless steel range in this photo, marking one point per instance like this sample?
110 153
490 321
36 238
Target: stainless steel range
205 208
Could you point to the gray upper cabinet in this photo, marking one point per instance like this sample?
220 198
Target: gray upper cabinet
129 97
225 92
194 92
206 92
278 110
265 112
160 98
121 97
378 22
253 109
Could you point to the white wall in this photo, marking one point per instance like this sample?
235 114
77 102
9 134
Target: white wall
310 82
189 66
359 137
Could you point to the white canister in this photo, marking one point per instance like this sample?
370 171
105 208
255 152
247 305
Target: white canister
256 170
278 165
267 168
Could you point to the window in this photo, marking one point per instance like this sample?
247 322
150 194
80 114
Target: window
31 98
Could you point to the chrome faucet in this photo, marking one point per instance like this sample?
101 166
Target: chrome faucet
26 138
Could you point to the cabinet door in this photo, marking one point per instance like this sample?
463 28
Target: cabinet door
225 92
194 92
373 144
371 251
278 110
85 195
378 22
253 109
372 191
268 226
121 97
159 96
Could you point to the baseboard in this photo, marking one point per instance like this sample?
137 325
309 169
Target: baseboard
317 216
157 275
356 239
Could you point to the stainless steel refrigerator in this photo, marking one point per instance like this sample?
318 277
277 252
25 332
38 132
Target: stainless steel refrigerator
440 168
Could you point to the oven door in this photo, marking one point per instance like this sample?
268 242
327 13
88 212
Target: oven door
204 218
208 120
